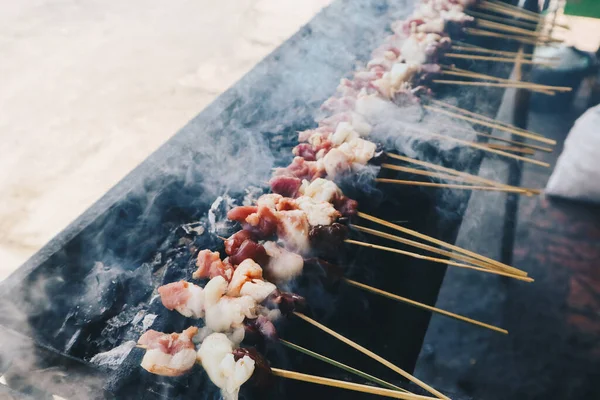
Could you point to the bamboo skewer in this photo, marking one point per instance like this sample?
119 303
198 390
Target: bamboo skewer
494 125
433 259
421 172
498 59
518 12
514 149
488 84
467 73
503 20
474 178
374 356
424 306
451 186
481 32
357 387
485 118
389 387
515 9
511 29
429 248
527 145
513 54
506 9
503 267
342 366
507 82
489 150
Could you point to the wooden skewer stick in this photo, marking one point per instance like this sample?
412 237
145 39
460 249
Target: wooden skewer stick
503 267
426 247
451 186
497 59
458 178
424 306
482 83
433 259
516 9
512 29
421 172
515 84
485 118
489 150
342 366
373 356
474 178
504 20
505 128
481 32
357 387
512 54
514 149
506 9
520 12
532 146
494 78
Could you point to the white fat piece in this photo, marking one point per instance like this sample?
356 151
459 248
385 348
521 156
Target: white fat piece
336 162
247 280
344 132
317 212
217 359
283 265
402 73
269 200
194 307
157 362
224 313
412 51
359 151
321 189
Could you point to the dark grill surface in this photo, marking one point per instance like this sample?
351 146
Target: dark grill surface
91 288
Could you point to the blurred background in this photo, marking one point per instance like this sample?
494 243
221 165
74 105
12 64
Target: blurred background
88 89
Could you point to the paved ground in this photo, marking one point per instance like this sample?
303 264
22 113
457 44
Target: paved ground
89 89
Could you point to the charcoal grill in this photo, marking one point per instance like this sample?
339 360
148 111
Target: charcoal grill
90 289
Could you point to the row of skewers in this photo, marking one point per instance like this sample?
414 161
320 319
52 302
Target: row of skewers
300 227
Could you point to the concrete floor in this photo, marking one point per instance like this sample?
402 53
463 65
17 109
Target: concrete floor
89 89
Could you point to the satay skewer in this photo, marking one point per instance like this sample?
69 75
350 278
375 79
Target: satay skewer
453 177
396 393
489 84
426 247
512 29
533 86
485 118
473 178
506 84
485 50
513 149
484 148
498 59
522 144
342 366
503 20
509 9
425 306
484 33
357 387
503 267
451 186
372 355
517 132
435 260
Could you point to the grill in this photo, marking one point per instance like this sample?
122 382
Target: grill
91 288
